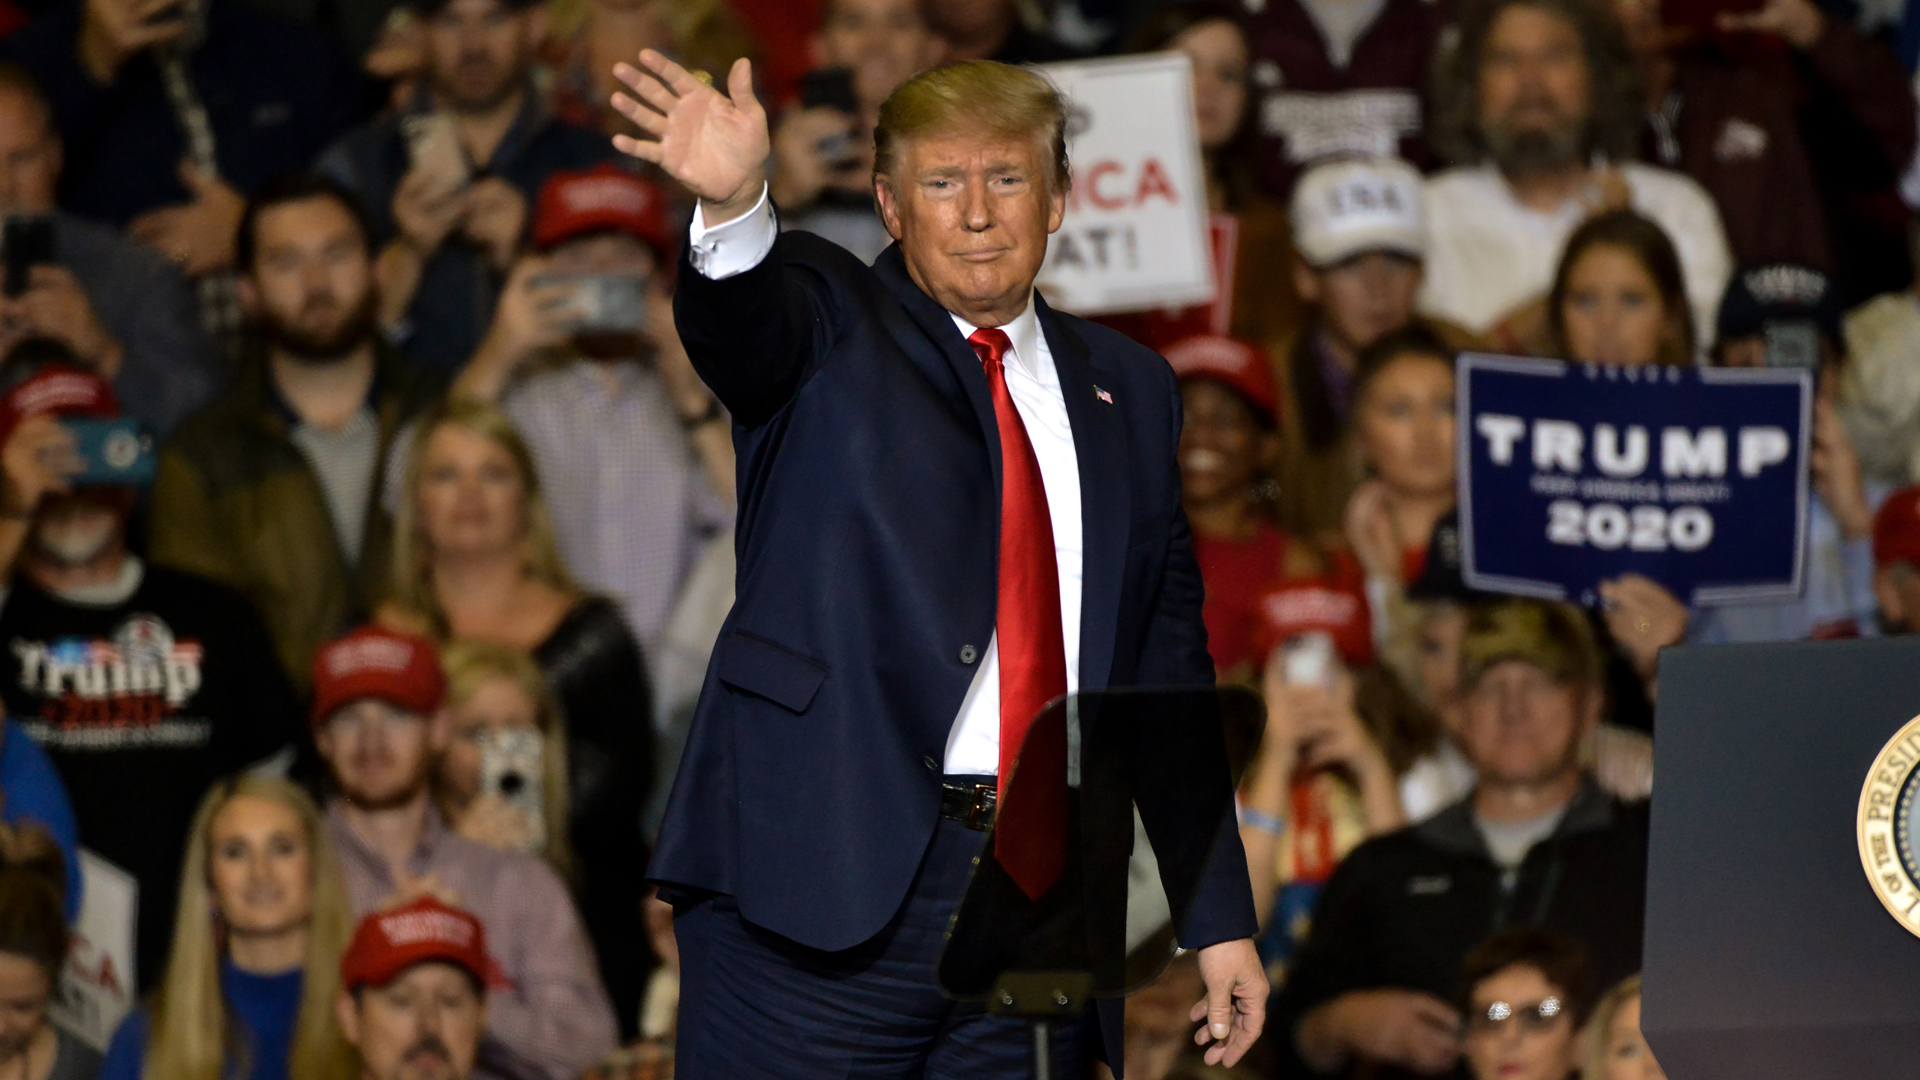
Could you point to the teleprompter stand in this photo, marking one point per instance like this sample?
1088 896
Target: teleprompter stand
1104 929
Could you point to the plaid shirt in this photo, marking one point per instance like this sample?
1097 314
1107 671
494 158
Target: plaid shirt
628 497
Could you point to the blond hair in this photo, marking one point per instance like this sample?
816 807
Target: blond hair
982 97
193 1035
469 664
412 589
1603 1014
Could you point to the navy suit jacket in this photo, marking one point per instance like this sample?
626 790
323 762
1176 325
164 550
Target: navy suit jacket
868 465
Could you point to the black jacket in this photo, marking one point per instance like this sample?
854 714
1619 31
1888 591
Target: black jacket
1404 909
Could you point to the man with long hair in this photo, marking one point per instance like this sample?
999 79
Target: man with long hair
1537 106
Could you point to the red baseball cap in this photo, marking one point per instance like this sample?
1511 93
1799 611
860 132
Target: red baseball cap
388 942
1896 528
1241 367
60 389
1306 606
602 199
372 662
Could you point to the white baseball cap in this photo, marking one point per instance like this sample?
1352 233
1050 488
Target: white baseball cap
1349 207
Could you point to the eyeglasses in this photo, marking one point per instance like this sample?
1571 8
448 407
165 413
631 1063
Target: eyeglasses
1538 1016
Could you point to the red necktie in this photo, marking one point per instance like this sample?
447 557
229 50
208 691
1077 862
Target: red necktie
1030 830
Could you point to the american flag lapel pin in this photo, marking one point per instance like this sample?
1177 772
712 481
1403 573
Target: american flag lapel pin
1103 395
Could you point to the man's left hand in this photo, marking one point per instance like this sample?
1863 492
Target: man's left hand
1235 1008
197 235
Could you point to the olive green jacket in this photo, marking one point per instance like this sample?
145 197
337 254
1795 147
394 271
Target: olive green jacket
235 500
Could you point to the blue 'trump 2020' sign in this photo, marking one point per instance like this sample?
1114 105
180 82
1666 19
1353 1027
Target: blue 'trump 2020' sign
1571 474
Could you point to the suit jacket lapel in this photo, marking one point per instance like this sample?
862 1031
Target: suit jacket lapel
962 364
1099 442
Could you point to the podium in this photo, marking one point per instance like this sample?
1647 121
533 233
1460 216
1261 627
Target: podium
1043 960
1768 953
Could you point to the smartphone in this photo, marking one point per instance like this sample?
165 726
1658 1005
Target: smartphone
830 88
1793 343
602 303
27 240
511 767
1307 660
433 147
115 452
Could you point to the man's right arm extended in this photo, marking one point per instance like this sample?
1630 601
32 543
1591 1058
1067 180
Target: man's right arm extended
748 326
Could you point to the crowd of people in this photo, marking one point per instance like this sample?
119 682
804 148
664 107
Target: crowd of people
372 666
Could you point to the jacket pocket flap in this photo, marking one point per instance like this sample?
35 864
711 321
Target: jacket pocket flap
752 663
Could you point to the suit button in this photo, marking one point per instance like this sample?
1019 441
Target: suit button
968 654
932 765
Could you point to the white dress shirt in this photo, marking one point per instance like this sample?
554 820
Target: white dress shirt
973 744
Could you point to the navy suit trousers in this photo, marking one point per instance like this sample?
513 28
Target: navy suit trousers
756 1005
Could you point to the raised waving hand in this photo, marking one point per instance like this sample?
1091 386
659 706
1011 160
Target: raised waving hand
714 144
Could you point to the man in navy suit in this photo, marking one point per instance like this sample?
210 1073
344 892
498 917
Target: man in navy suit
956 504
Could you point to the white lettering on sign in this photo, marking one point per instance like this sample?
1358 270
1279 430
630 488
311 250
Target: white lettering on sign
1689 454
1761 447
1501 432
1684 454
1614 461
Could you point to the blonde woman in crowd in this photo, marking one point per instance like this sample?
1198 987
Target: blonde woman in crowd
1616 1050
475 560
263 918
494 691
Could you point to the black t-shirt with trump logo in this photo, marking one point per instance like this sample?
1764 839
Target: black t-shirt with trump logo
142 704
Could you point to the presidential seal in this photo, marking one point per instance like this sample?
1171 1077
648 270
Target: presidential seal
1889 847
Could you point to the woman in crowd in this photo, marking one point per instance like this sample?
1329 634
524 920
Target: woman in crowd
1341 732
1250 236
475 560
1618 296
1227 449
1526 997
491 690
263 918
1403 432
1616 1048
33 949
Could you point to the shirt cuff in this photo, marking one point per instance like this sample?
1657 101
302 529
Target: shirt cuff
733 247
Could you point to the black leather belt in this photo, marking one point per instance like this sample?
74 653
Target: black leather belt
970 804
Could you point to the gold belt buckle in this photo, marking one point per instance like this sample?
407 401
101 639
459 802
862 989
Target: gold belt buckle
980 812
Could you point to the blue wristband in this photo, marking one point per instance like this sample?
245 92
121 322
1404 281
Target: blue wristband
1266 823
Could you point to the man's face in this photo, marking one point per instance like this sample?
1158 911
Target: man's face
478 52
883 42
29 157
424 1025
972 215
311 287
1535 91
380 755
1364 298
1521 726
75 529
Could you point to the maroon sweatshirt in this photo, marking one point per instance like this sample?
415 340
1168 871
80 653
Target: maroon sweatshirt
1306 108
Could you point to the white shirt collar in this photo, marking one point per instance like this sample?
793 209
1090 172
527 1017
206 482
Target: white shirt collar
1023 331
